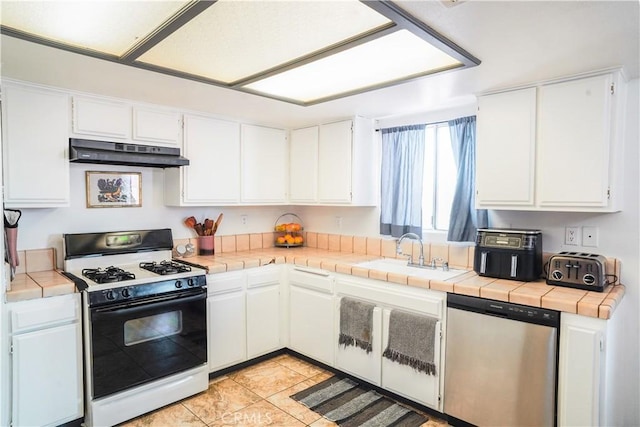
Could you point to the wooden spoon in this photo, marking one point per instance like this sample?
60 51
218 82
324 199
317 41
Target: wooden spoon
208 226
199 230
190 222
217 224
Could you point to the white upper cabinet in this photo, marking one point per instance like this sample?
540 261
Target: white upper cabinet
156 125
334 162
35 128
506 138
111 119
554 147
303 165
341 170
213 175
574 142
101 117
264 167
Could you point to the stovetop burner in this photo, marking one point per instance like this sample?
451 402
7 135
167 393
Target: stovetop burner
165 267
107 275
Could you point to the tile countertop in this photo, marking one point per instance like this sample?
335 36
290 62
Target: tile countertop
537 294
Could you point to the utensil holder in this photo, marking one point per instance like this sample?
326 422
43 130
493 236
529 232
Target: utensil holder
206 245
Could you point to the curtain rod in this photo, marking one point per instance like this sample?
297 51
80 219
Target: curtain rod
427 124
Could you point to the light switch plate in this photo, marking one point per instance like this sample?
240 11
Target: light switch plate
590 236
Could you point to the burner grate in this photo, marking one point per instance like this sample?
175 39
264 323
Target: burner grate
165 267
108 274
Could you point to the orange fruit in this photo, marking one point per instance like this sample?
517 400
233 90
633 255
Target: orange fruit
297 240
280 240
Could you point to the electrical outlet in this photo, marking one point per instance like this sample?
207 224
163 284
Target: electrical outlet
244 219
590 236
571 236
339 222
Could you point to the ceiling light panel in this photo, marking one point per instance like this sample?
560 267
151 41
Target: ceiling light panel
391 58
110 27
233 40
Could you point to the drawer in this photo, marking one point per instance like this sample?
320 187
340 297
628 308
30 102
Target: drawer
225 282
315 279
44 313
262 276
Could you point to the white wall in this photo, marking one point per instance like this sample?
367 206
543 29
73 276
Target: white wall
43 228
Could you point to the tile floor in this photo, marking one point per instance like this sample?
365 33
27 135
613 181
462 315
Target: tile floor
254 396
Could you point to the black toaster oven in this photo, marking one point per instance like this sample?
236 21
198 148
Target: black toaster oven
514 254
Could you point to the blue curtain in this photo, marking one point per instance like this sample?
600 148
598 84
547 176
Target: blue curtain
401 184
465 218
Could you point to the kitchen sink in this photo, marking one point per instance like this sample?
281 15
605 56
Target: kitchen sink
400 266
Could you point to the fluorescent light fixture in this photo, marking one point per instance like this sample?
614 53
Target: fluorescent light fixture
234 40
397 56
110 27
297 51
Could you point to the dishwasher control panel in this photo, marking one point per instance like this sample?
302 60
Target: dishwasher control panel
507 310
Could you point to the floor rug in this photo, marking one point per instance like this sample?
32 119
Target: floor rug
350 404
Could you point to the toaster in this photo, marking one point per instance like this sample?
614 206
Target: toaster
578 270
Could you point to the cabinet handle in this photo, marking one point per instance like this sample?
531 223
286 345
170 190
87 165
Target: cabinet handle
312 272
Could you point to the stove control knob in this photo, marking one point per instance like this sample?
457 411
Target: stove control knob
190 282
110 295
178 284
126 293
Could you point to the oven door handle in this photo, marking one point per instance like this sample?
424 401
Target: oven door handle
134 307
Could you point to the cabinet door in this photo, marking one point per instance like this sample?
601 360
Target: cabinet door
355 360
213 149
35 124
303 165
47 376
226 330
334 162
505 152
311 329
408 382
264 164
580 364
158 126
263 320
573 143
101 117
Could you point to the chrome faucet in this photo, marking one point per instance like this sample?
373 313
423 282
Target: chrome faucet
434 264
399 249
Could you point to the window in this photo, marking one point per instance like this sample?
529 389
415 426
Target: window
439 178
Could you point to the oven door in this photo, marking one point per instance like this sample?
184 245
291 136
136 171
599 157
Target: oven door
144 340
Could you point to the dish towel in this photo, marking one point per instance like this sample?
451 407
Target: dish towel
412 340
356 323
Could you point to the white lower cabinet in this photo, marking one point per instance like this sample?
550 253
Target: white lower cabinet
227 330
226 319
243 314
46 341
408 382
263 310
585 345
311 314
377 369
355 360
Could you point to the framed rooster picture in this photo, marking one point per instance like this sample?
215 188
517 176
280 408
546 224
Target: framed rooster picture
114 189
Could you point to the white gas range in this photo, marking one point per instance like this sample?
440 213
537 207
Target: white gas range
144 322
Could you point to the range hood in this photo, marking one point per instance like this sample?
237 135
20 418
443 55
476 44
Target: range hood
118 153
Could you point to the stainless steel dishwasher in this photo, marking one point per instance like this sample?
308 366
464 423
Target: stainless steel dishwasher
500 363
